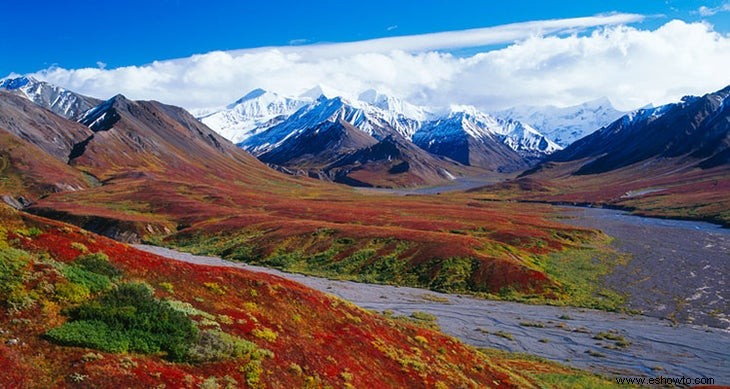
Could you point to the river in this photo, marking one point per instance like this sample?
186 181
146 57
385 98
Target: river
665 255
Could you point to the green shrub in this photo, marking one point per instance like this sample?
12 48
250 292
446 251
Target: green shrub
80 246
12 269
93 281
90 333
128 318
98 263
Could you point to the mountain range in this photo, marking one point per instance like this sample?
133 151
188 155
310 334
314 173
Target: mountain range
132 170
428 145
422 146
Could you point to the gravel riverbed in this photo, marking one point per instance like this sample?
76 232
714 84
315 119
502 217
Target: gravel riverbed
642 345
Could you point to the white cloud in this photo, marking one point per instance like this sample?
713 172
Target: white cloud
709 11
391 28
550 63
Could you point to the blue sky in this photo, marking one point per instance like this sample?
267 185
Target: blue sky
75 34
489 54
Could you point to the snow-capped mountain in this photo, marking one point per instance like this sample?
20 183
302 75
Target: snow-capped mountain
352 143
568 124
314 136
474 138
61 101
369 118
524 139
252 114
405 118
377 114
468 123
696 128
260 110
312 118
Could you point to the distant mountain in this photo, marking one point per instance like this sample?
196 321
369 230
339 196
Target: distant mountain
251 114
405 118
315 135
334 139
304 135
473 138
568 124
697 128
63 102
669 161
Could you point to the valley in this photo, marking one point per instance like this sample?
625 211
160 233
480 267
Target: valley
395 207
564 334
687 298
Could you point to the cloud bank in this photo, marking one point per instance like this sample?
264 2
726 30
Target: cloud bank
557 62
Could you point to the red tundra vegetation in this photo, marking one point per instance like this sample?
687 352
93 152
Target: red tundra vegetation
299 337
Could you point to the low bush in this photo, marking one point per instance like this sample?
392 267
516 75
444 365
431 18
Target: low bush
98 263
90 333
128 318
94 282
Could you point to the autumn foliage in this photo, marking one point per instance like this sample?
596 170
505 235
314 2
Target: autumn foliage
292 336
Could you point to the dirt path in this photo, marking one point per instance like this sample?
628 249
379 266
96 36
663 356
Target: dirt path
562 334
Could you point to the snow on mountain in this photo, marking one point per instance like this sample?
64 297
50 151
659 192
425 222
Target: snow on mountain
519 136
405 118
54 98
466 136
565 125
524 139
253 113
262 121
694 132
307 118
323 90
375 114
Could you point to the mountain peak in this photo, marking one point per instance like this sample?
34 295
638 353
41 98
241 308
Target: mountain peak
66 103
254 94
602 101
105 115
17 82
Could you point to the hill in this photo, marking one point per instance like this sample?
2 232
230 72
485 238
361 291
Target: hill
80 309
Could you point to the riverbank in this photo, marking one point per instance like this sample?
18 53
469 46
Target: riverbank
603 342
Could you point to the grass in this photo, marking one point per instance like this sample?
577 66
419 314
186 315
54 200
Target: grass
539 370
575 381
619 341
579 273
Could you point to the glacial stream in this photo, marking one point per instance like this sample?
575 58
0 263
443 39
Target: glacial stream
678 270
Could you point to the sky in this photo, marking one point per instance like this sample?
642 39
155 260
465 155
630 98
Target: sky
485 53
